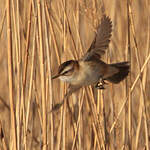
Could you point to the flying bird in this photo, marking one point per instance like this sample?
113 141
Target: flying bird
90 69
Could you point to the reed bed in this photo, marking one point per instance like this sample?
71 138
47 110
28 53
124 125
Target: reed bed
36 37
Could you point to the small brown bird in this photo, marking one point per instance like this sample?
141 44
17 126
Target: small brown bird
90 70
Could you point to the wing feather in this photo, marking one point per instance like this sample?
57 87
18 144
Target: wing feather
101 41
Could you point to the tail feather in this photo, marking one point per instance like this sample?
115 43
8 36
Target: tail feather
122 73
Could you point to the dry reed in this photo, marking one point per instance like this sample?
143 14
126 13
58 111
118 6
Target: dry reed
43 34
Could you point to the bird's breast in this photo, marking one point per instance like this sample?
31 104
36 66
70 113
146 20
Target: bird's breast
88 73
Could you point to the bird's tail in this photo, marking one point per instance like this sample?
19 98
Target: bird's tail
121 74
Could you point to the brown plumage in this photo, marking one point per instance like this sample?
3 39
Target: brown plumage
90 70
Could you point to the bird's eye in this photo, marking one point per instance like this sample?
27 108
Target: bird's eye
66 72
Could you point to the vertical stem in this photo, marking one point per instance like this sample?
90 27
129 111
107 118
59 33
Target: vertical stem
97 123
49 77
17 45
18 79
102 117
10 76
52 34
77 19
129 81
44 123
25 75
64 111
31 76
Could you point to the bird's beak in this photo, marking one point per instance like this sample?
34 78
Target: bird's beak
56 76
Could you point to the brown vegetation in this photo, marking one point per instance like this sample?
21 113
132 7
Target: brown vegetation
35 37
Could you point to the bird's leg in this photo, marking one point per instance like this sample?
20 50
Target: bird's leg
58 105
70 90
100 84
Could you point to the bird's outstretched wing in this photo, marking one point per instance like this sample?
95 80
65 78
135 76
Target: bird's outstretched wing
71 89
101 41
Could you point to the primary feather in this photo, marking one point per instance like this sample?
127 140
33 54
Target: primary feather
101 41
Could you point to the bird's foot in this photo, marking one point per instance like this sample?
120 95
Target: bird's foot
100 84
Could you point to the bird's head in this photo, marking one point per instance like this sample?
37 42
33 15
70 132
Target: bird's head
66 71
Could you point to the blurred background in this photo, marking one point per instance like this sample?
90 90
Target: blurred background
36 37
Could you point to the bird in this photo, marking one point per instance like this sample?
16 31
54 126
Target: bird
90 69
